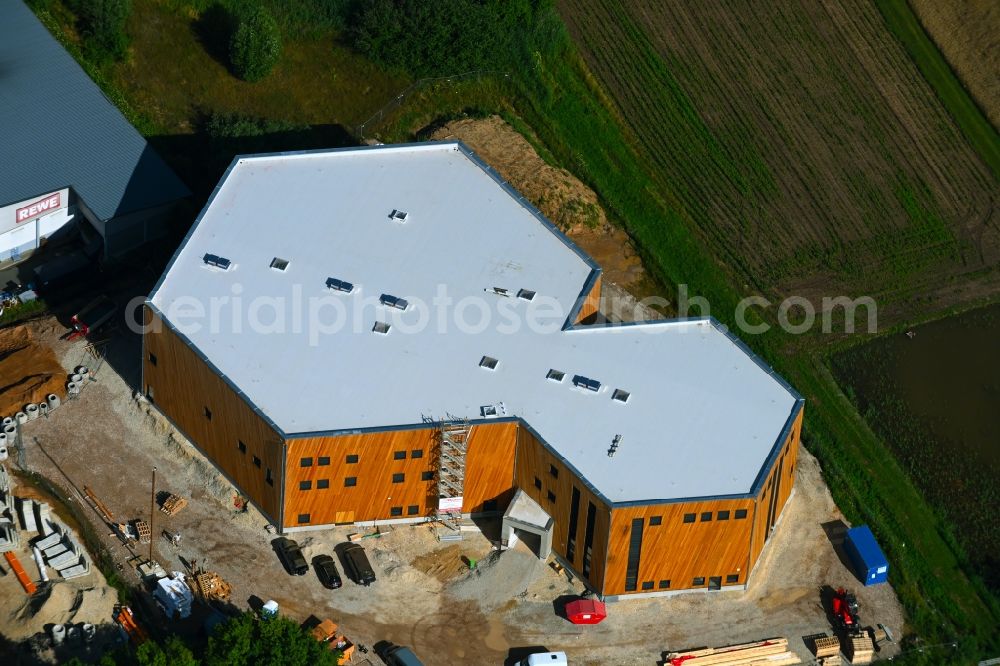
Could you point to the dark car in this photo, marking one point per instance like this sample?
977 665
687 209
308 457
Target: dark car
357 564
291 556
326 571
399 655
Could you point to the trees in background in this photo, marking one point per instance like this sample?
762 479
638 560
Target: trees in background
255 44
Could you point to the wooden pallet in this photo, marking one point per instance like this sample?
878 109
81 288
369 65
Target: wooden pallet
827 646
142 529
173 505
211 586
860 650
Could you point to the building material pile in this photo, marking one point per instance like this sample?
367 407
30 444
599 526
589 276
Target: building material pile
30 370
174 596
770 652
860 649
827 649
22 577
9 539
173 505
211 586
143 531
61 552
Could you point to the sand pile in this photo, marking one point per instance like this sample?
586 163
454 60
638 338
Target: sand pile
28 371
62 602
500 577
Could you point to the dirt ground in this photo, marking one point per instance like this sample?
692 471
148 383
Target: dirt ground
426 596
28 372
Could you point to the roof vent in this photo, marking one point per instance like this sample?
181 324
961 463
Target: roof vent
620 395
488 362
218 262
381 327
393 301
493 411
555 375
399 215
499 291
526 294
279 264
614 446
339 285
586 383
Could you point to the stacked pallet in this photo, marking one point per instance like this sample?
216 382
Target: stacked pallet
860 649
173 504
211 586
770 652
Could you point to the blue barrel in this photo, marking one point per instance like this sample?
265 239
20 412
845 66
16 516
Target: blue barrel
868 559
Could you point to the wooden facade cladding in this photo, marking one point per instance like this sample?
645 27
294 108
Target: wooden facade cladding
776 490
378 493
214 416
591 303
533 474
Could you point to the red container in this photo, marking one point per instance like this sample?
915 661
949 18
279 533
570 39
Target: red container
586 611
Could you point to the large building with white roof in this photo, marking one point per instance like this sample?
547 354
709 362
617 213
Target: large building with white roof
389 334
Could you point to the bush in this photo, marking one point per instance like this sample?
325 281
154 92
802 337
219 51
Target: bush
255 46
102 23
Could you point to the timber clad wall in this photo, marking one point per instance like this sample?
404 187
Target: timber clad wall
183 387
776 490
592 303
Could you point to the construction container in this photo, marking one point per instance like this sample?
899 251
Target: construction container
869 562
586 611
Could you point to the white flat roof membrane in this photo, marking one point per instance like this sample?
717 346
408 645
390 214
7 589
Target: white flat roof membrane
702 415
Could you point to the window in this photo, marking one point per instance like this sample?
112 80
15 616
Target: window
538 483
241 446
381 328
552 496
303 518
152 358
488 362
208 413
698 581
715 583
664 584
352 459
279 264
722 515
399 455
412 510
554 471
305 485
740 514
339 285
256 461
398 215
427 476
350 481
322 484
499 291
634 550
647 585
655 520
323 461
706 516
393 301
268 478
396 511
586 383
732 578
217 261
688 517
620 395
305 462
526 294
490 505
555 375
416 453
398 477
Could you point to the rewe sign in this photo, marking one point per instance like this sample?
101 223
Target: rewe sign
38 208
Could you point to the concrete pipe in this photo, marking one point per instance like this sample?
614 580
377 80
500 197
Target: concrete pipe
31 411
3 453
3 439
21 418
58 634
43 408
72 633
76 378
82 370
89 631
72 388
53 401
8 420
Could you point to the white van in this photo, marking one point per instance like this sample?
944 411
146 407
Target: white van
545 659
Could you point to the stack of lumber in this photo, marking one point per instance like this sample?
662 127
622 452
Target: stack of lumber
142 529
770 652
860 649
833 660
173 504
827 646
211 586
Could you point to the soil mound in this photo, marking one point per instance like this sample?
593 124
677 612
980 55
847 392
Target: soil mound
29 371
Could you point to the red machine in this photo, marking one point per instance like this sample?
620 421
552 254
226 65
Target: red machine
586 611
96 314
845 611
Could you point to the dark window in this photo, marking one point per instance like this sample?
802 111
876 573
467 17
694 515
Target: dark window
417 453
396 511
303 518
306 462
551 495
350 481
352 459
208 413
740 514
655 520
732 578
722 515
574 516
665 584
490 505
305 485
588 538
152 358
538 483
553 471
399 455
323 461
715 583
412 510
634 550
268 478
647 585
698 581
688 517
256 461
322 483
398 478
427 476
242 447
706 516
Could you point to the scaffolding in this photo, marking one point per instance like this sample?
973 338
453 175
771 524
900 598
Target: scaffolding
452 447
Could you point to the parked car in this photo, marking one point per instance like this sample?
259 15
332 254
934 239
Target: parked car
326 571
398 655
291 556
357 564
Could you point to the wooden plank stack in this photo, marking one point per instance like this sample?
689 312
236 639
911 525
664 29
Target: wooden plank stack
211 586
770 652
173 504
860 649
827 646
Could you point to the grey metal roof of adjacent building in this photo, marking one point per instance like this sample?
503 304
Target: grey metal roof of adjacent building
702 417
57 129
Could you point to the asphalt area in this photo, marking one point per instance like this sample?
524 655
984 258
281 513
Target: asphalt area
427 596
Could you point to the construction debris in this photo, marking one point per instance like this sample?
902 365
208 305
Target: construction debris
860 649
173 505
173 596
770 652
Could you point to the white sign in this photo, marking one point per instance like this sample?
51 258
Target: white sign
450 504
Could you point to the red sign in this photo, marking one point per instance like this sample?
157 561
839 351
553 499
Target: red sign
40 207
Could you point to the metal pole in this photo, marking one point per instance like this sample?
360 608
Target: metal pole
152 509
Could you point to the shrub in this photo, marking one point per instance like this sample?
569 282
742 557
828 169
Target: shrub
102 23
255 46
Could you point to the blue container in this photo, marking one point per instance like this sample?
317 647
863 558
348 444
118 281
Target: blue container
869 561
